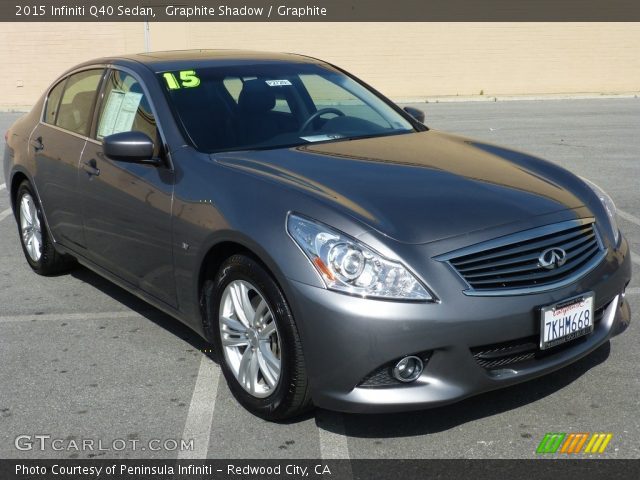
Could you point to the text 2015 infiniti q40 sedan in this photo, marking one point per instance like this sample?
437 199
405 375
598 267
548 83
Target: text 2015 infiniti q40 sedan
333 249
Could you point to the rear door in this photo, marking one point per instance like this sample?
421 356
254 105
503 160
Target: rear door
57 143
126 207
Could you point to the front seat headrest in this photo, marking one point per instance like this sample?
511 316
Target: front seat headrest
256 96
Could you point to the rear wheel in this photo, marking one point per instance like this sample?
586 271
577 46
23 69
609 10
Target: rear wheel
259 348
34 237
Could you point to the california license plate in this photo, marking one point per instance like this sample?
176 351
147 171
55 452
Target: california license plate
567 320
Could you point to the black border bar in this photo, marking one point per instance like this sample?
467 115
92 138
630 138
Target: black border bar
322 10
532 469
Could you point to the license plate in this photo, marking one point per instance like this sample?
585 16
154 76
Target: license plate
566 320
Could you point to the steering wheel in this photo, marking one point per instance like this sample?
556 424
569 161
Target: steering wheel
318 114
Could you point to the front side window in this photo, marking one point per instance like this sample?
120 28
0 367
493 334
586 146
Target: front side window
53 101
274 106
77 102
126 108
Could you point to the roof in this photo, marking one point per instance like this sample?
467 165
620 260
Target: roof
178 59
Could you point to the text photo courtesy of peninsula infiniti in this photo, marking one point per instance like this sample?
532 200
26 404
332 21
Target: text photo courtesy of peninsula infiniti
333 249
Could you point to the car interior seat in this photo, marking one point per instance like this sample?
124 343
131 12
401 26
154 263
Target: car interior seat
255 103
74 116
206 118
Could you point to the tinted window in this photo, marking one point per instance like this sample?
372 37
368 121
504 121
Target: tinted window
125 108
275 105
77 101
53 101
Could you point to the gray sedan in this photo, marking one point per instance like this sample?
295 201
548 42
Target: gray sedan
334 250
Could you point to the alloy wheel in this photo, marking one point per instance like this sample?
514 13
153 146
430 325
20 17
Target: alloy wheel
250 338
30 227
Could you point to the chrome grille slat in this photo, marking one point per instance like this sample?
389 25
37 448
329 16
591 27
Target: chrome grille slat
510 265
546 273
505 271
533 268
527 258
520 248
509 261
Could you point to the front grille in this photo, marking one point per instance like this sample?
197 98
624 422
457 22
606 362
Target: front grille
512 263
521 350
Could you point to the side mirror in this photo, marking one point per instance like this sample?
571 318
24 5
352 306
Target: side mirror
415 113
135 147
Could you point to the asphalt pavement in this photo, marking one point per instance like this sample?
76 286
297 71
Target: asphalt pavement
84 360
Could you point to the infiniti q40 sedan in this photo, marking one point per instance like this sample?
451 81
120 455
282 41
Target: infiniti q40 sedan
333 249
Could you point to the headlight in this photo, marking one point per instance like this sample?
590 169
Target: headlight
609 206
349 266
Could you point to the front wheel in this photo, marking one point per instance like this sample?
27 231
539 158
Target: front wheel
34 237
254 332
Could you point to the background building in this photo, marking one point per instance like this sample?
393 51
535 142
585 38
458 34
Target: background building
403 60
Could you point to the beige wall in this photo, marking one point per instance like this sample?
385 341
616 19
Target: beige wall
403 60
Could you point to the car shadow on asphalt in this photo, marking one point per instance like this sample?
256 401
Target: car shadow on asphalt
421 422
163 320
424 422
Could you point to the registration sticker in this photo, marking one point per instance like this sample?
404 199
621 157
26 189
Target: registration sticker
566 320
277 83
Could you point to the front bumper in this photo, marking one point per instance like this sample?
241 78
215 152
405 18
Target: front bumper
346 338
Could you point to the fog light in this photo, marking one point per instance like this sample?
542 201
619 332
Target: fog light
408 369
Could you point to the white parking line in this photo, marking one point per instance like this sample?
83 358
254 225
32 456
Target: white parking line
2 186
200 416
333 438
633 291
629 217
4 214
57 317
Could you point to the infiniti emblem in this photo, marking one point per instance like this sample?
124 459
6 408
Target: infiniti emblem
552 258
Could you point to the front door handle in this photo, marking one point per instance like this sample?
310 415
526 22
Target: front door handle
91 168
37 144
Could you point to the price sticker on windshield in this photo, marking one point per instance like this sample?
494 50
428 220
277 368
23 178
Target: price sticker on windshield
182 79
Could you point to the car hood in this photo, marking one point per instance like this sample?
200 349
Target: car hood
418 187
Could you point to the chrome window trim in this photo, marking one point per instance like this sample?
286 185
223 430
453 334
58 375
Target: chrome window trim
520 236
65 77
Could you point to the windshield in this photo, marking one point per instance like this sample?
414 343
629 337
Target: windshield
275 105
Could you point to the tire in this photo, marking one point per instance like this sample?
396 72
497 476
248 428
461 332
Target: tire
34 236
273 336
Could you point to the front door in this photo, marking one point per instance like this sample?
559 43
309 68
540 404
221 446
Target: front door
127 206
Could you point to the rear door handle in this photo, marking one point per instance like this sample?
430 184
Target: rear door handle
91 168
37 144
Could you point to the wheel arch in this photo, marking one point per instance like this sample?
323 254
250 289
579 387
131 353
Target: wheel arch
16 180
18 176
226 247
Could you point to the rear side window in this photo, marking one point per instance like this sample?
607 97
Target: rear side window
53 101
74 113
126 108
